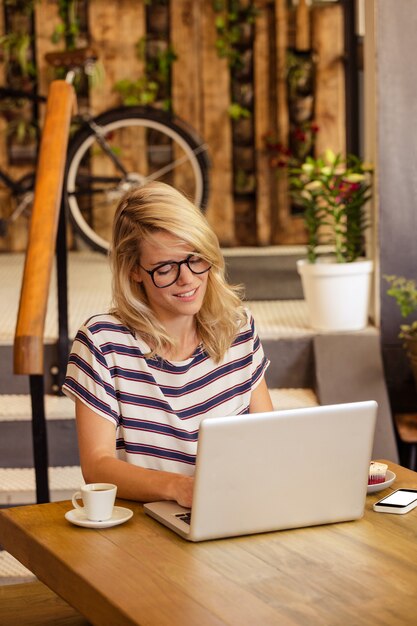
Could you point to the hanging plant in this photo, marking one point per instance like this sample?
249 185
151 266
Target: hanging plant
233 22
137 92
69 28
15 48
238 112
154 85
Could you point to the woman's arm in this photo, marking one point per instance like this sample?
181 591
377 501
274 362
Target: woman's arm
96 442
260 400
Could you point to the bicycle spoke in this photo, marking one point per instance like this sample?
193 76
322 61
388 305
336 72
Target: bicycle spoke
88 191
171 166
90 180
100 134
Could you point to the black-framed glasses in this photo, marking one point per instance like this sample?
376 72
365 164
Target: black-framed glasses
167 274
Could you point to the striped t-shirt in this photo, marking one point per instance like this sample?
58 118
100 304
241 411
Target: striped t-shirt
157 405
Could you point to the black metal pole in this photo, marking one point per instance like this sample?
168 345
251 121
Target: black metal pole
351 77
39 437
62 291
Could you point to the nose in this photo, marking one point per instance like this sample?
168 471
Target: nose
185 276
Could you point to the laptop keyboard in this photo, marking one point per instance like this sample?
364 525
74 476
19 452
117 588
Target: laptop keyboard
185 517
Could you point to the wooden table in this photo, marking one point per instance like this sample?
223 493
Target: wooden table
354 573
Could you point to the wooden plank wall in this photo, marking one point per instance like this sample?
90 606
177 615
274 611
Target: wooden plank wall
201 93
327 26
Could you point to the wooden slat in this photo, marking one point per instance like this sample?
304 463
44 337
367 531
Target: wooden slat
282 220
328 44
3 123
28 346
16 237
46 20
115 28
185 35
302 26
217 130
4 194
46 16
263 124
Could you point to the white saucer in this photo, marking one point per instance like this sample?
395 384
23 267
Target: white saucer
120 515
390 477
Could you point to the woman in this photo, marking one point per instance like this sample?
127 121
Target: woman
176 347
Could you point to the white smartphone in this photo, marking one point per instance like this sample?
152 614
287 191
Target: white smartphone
399 501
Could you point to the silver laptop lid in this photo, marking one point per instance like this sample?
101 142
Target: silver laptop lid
282 469
278 470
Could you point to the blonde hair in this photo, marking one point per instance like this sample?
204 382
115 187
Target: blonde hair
159 207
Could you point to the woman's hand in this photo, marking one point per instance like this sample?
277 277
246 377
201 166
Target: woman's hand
97 438
183 490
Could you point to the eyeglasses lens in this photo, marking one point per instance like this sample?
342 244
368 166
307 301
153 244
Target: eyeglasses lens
166 275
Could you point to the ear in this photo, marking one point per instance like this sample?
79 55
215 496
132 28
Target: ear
137 274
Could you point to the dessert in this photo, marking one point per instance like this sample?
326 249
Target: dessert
377 473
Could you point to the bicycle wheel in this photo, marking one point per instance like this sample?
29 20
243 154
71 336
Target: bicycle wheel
124 148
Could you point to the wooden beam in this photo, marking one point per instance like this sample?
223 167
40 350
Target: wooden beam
217 130
115 28
328 44
263 124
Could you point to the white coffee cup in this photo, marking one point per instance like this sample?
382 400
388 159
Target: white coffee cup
98 499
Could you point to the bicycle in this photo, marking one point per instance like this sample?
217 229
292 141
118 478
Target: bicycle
112 152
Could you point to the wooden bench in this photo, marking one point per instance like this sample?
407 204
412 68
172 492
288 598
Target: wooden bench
33 604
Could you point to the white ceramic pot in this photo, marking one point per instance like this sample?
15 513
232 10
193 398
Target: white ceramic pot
337 294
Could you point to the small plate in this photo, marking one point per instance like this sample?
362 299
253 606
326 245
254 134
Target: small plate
390 477
79 518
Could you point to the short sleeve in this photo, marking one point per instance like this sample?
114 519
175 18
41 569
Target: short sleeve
88 378
260 362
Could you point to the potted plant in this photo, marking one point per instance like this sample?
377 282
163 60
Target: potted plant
404 292
332 191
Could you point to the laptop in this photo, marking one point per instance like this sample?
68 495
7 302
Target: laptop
278 470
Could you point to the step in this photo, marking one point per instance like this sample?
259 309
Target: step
17 485
293 398
15 425
12 571
17 408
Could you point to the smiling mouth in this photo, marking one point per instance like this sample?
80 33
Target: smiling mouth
186 295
